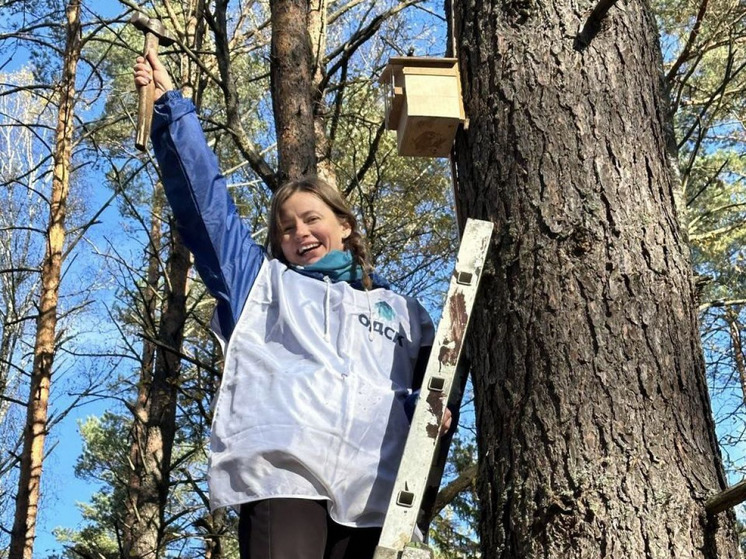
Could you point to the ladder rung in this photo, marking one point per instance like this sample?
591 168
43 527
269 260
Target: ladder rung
436 384
464 278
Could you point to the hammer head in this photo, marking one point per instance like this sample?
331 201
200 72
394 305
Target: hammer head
154 26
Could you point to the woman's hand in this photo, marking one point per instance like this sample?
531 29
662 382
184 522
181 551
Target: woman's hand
446 424
151 68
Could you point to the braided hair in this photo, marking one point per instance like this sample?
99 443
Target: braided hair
355 242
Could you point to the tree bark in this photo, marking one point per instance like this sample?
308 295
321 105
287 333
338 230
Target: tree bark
134 537
154 424
595 431
317 22
291 78
215 525
27 499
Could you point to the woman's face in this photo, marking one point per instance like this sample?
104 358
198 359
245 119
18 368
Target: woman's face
309 229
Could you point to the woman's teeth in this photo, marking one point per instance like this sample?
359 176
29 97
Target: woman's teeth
306 248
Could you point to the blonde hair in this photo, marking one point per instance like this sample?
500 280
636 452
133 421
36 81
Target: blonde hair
355 242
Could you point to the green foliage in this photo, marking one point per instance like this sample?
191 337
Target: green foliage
97 539
706 64
716 231
454 532
103 461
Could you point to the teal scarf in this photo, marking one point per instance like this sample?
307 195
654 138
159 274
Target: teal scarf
337 265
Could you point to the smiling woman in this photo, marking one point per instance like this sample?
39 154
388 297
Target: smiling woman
310 229
320 355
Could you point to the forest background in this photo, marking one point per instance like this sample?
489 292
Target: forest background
128 302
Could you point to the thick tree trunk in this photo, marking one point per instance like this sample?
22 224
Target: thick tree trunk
291 76
595 431
24 526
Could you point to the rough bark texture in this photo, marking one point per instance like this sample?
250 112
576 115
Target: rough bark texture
595 432
215 526
24 525
317 16
155 419
291 75
132 521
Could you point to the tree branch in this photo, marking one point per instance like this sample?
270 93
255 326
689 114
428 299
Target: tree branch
218 23
464 481
593 24
685 52
718 303
349 47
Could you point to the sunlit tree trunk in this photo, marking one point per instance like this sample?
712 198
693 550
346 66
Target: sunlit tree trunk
155 426
215 525
595 431
316 24
291 76
27 498
154 423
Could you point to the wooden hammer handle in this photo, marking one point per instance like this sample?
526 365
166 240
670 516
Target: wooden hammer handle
145 94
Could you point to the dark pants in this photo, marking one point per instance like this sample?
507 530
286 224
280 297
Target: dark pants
300 529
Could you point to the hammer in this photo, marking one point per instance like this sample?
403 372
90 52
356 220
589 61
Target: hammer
155 33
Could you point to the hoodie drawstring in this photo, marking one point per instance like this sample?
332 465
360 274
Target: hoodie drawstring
370 315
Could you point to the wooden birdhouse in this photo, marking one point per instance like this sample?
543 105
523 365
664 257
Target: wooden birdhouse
423 104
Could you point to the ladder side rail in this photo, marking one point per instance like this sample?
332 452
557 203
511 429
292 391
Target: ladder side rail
432 487
424 433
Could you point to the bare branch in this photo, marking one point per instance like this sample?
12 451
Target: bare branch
686 51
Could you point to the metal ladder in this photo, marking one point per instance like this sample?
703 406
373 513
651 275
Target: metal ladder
422 465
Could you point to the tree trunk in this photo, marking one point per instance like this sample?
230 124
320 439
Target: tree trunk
317 21
135 527
215 525
595 432
24 526
154 424
291 77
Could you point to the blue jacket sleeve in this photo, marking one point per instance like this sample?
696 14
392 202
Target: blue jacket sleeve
225 255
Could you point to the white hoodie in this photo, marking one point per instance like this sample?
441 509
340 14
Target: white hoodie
311 402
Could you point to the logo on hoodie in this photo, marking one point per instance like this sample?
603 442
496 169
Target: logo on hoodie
385 311
387 316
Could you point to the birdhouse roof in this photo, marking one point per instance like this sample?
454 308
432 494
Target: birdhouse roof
398 63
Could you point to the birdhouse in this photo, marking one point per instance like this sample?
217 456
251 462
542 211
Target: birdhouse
423 104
